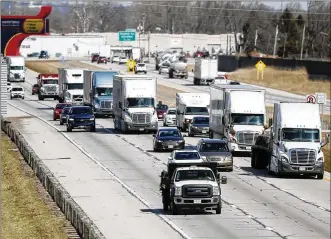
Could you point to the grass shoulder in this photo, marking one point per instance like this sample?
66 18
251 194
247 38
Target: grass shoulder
25 213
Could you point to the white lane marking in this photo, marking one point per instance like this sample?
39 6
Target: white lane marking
130 190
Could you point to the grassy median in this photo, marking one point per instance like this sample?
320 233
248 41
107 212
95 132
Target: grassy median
24 212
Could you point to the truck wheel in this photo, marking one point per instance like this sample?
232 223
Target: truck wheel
171 74
253 158
174 208
92 129
61 122
69 129
320 176
189 133
32 93
165 202
186 76
219 208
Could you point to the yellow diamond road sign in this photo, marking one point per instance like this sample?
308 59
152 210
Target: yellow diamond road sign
260 66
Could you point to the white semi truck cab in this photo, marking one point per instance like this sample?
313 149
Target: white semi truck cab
134 99
71 83
189 105
296 139
16 68
237 113
49 86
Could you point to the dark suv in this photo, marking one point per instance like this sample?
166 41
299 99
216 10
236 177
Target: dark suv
43 54
102 59
94 57
80 117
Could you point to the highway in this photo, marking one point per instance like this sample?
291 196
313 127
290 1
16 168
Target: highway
272 95
256 205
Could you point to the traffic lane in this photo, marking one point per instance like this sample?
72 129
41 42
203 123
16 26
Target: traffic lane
280 203
114 211
142 174
272 95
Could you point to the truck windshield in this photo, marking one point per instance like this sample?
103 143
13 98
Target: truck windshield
214 147
184 175
247 119
139 102
17 89
201 120
75 86
82 110
17 67
46 82
301 135
171 112
104 91
196 111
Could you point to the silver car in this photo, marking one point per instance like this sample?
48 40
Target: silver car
169 118
216 150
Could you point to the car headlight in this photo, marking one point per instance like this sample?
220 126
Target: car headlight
92 118
127 118
216 191
284 159
320 160
178 191
187 120
70 119
159 141
180 141
227 159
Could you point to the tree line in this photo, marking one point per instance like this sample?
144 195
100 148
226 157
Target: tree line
256 21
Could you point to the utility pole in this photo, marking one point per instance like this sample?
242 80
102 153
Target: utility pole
149 46
227 44
275 44
255 38
285 45
303 40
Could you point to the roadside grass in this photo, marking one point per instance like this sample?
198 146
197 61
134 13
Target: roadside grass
168 95
293 81
24 213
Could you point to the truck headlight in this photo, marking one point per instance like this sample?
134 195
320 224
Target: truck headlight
320 160
96 105
127 118
178 191
284 159
187 120
216 191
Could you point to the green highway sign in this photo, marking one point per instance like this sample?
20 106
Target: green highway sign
126 36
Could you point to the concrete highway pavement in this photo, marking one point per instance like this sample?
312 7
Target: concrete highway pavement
255 204
272 95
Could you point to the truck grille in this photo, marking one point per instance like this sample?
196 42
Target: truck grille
17 76
141 118
106 104
302 156
247 138
197 191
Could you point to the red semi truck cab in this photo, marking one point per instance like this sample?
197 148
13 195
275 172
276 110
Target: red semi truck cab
47 79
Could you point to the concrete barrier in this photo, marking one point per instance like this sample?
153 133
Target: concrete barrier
72 211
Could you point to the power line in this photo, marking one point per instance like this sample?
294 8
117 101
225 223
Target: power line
171 6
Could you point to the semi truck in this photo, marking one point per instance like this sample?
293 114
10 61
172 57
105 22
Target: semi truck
205 71
189 105
293 142
191 186
98 91
71 82
238 114
16 68
134 100
48 86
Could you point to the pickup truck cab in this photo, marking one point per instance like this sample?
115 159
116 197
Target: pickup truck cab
191 186
80 117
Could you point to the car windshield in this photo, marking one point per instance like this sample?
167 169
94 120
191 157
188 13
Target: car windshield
53 81
186 155
171 112
201 120
247 119
17 67
301 135
17 89
198 174
61 106
139 102
162 107
196 111
75 86
65 110
169 133
214 147
104 92
82 110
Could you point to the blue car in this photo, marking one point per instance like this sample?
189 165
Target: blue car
80 117
64 114
199 126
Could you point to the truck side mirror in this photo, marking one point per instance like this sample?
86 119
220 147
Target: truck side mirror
326 140
223 123
204 158
224 180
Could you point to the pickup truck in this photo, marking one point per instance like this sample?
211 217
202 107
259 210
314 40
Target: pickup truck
191 186
80 117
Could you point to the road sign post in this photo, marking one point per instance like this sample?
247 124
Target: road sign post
321 100
126 36
260 66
